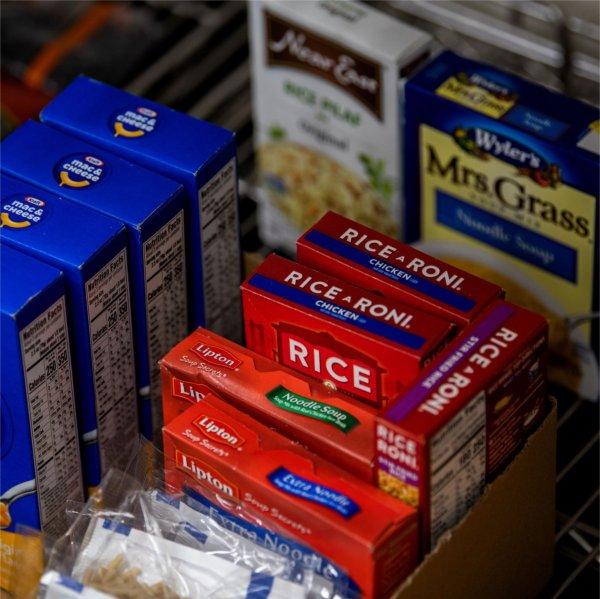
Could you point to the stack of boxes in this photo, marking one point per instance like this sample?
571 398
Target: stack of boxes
151 208
427 384
112 251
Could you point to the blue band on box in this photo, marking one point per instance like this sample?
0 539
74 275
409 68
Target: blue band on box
396 274
260 586
509 237
313 303
292 484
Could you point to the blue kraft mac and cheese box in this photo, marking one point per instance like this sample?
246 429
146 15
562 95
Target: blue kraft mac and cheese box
502 178
195 153
40 467
91 251
151 208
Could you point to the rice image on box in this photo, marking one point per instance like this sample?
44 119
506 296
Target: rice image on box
504 180
327 111
197 154
91 250
152 209
40 465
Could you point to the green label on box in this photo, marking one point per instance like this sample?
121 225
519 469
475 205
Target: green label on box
297 404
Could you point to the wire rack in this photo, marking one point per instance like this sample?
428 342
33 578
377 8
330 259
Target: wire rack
205 71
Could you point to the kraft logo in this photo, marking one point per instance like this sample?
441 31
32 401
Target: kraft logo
147 112
94 161
35 201
217 355
219 431
189 391
205 474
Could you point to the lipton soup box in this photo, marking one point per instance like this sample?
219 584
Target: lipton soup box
327 113
40 467
369 535
504 176
310 412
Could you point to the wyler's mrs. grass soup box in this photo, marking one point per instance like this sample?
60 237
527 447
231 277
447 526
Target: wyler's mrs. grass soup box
363 344
369 535
506 176
465 417
91 250
349 250
197 154
151 208
328 423
40 466
327 111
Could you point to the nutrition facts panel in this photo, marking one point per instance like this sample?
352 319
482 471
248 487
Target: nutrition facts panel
166 300
457 467
220 253
50 398
109 318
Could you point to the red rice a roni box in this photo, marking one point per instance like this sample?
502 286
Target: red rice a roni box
465 417
359 342
346 249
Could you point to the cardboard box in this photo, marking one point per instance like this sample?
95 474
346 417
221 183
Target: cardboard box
40 465
363 344
150 207
197 154
91 250
478 558
368 534
505 175
327 112
327 423
351 251
465 418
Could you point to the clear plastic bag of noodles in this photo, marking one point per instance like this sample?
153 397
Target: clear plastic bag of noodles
135 539
235 529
